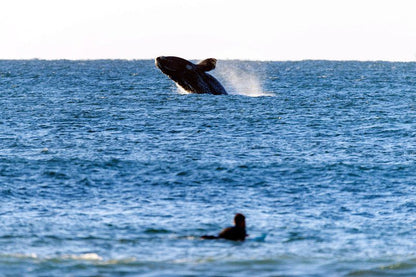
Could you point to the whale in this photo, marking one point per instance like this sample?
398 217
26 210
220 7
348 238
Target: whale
192 78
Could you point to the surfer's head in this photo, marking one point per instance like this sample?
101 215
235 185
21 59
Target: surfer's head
240 220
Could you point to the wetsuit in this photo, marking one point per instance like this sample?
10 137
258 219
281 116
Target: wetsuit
231 233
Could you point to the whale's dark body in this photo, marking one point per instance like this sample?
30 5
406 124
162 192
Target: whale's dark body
189 76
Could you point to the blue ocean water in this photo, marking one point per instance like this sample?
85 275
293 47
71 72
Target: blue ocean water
106 169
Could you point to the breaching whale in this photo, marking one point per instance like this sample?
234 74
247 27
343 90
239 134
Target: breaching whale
189 76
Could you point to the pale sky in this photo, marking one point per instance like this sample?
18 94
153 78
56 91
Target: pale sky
196 29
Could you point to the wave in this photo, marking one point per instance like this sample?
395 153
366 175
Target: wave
86 257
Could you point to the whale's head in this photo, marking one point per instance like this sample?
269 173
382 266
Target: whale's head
173 66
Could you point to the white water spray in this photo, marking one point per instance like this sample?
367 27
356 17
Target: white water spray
241 81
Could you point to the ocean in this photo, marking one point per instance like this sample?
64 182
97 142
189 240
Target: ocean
108 169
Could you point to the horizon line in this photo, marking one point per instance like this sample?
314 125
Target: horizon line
220 59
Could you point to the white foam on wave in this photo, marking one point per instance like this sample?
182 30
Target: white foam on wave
84 257
97 259
20 256
87 257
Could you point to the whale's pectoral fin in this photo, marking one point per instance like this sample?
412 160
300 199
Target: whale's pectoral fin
207 65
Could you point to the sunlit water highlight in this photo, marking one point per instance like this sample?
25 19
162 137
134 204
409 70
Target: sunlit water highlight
106 170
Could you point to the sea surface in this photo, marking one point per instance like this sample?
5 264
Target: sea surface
108 169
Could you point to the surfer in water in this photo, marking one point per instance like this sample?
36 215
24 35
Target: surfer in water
236 232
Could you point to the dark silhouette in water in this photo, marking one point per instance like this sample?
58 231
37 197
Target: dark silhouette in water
236 232
191 77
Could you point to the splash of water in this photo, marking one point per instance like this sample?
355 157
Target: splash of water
181 90
241 81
